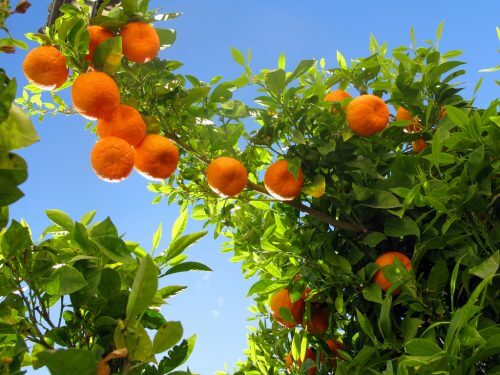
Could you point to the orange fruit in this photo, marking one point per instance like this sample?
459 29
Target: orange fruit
442 112
95 95
403 114
45 67
290 363
337 96
140 42
156 157
227 176
98 34
334 347
124 122
281 299
419 145
112 159
281 183
388 259
318 323
367 115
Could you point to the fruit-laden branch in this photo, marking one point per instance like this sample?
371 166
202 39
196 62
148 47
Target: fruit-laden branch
295 204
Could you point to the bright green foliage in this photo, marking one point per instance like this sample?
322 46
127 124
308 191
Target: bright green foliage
84 291
16 131
439 206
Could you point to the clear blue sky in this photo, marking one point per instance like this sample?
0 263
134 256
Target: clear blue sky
60 176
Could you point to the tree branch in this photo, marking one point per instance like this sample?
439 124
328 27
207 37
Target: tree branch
261 189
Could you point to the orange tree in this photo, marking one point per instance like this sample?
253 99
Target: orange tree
382 230
80 299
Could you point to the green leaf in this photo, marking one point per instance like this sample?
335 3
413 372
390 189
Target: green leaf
136 339
167 37
276 81
108 56
15 240
282 61
9 192
422 347
17 131
130 6
187 266
488 268
143 289
438 277
396 227
167 336
157 238
341 60
68 361
457 116
409 327
301 68
374 238
439 31
65 280
195 94
263 285
475 162
365 325
110 282
182 243
61 218
13 168
238 57
170 291
372 293
382 199
180 224
178 355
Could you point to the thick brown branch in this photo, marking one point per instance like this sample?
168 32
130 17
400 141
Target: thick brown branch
295 204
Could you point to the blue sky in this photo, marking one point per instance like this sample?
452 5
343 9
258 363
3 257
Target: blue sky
60 176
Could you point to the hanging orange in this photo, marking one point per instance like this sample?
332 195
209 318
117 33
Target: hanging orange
227 176
156 157
140 42
112 159
125 122
367 115
281 183
45 67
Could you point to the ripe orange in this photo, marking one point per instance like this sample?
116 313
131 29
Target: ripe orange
367 115
419 145
442 112
125 122
95 95
318 323
112 159
140 42
334 347
386 260
282 184
98 34
45 67
403 114
337 96
310 354
156 157
282 299
227 176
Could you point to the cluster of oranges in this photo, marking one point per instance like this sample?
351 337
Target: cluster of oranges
228 177
318 321
123 141
368 115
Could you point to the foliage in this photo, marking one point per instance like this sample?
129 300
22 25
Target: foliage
81 292
439 206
